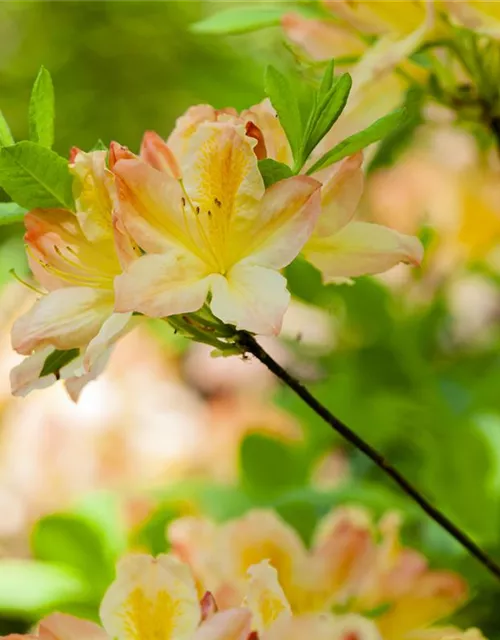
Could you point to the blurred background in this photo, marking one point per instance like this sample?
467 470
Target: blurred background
409 360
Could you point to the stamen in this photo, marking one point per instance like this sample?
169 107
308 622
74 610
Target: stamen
26 284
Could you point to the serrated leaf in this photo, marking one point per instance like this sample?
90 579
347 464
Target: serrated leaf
328 112
11 213
239 20
273 171
284 100
375 132
35 176
57 360
6 138
41 110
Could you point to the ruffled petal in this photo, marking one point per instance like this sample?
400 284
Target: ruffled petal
362 248
156 152
251 297
265 597
65 319
287 217
151 598
163 285
233 624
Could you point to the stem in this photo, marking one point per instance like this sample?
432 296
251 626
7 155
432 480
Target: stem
250 345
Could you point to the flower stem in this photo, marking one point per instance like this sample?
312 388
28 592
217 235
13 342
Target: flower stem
250 345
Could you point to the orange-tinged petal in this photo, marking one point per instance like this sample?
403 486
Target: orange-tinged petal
114 328
118 152
361 248
265 596
161 285
232 624
322 627
275 141
288 214
156 152
251 297
65 319
59 626
151 599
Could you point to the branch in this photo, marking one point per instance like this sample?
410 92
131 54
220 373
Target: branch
250 345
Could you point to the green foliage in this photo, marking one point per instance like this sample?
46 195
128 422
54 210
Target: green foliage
41 110
35 176
358 141
11 213
273 171
239 20
57 360
6 138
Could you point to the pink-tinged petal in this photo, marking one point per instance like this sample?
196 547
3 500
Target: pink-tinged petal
76 378
265 596
59 626
118 152
25 377
114 328
65 319
150 207
188 123
208 606
275 141
340 195
91 190
163 285
288 214
151 598
224 185
251 297
232 624
482 16
362 248
155 151
322 626
321 39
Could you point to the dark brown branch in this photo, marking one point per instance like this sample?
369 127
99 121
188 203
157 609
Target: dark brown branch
250 345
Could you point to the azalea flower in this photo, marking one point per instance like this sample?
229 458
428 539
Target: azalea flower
340 247
346 569
75 257
215 232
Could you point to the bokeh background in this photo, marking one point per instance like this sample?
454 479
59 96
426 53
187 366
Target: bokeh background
409 360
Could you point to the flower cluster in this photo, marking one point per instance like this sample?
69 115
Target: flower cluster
187 223
274 590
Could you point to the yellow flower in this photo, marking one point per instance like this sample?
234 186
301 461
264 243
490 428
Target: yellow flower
75 258
215 231
346 569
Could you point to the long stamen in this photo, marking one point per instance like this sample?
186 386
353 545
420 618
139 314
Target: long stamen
25 283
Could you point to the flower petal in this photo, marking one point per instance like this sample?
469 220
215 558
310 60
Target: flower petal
322 627
163 285
151 599
114 327
156 152
76 378
224 185
287 217
60 626
275 141
65 319
340 195
265 596
251 297
232 624
150 206
25 377
362 248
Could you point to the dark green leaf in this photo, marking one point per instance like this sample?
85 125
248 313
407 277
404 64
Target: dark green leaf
283 98
57 360
35 176
375 132
273 171
239 20
6 138
10 213
327 80
41 110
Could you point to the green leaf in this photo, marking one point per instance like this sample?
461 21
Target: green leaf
283 98
57 360
99 146
73 541
28 587
375 132
6 138
273 171
10 213
327 80
328 112
35 176
239 20
41 110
